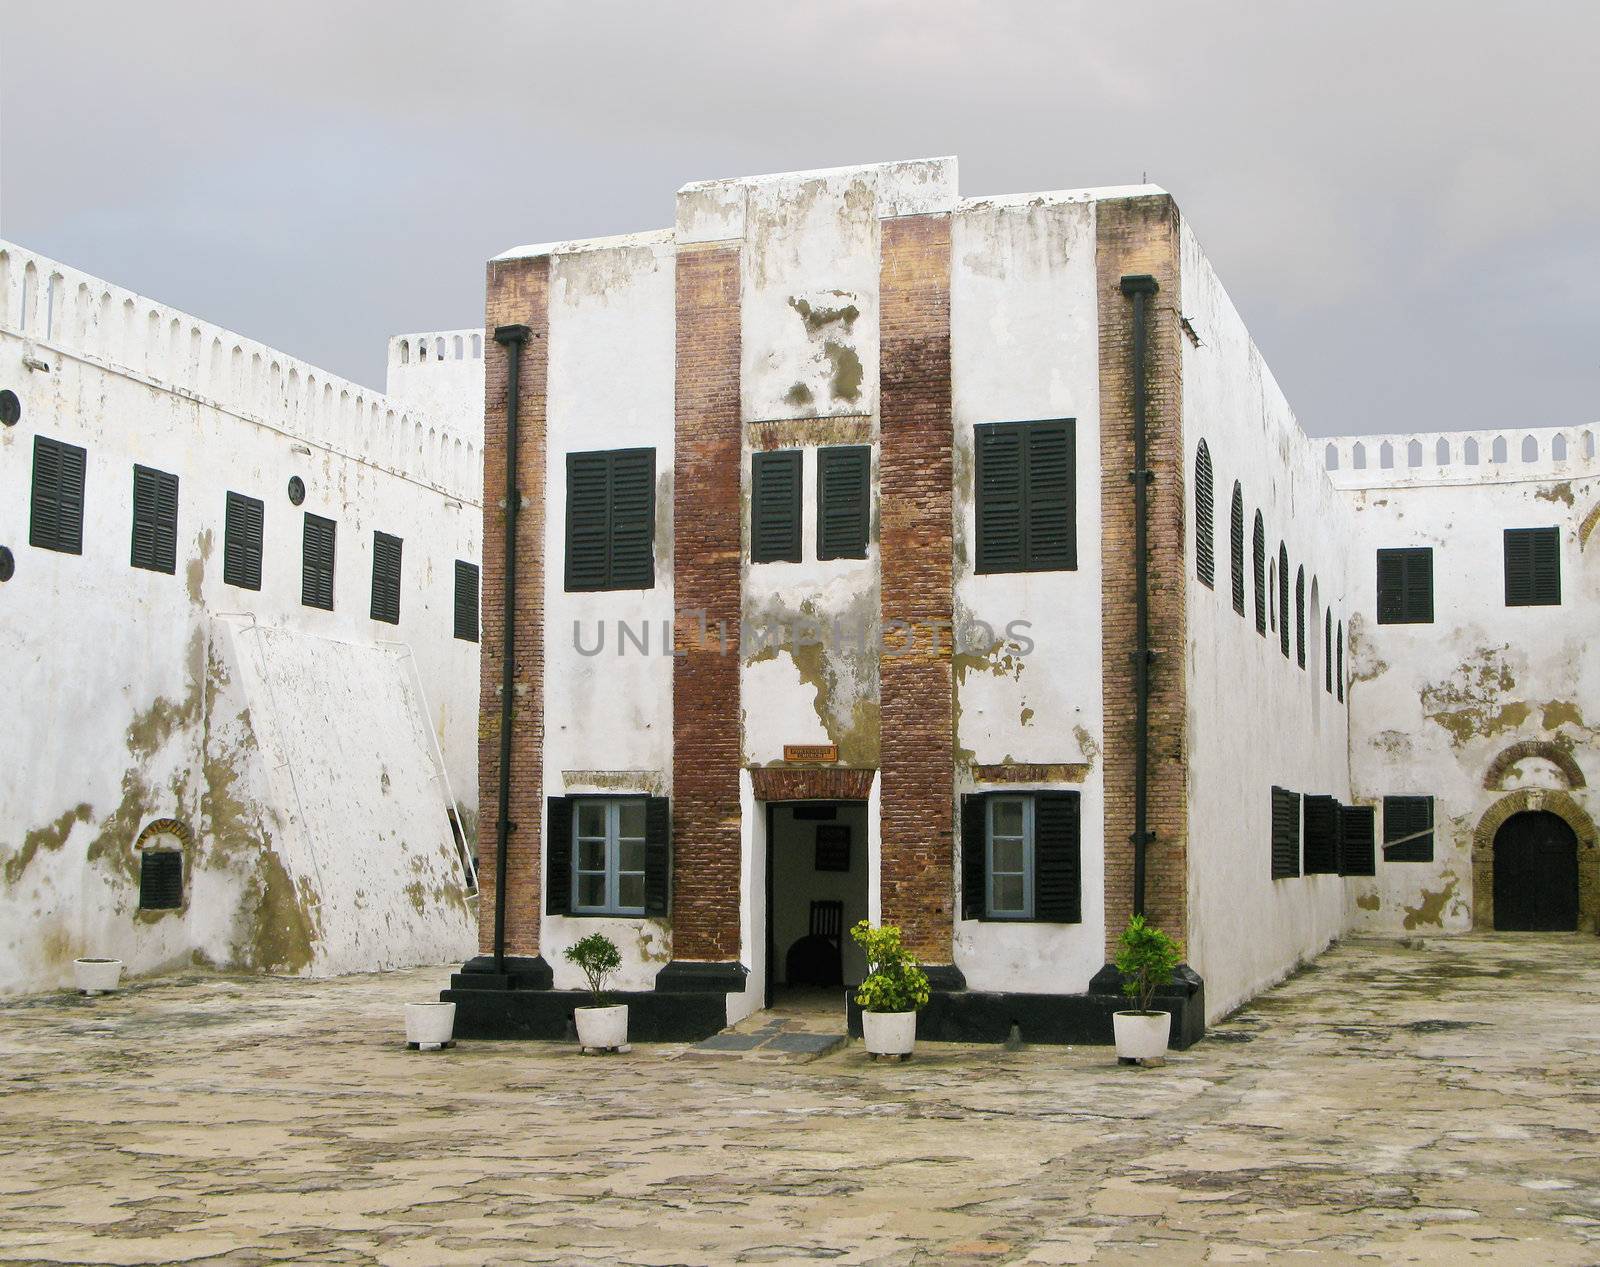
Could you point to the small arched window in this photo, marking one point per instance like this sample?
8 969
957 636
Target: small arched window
1258 548
1283 602
1300 617
1327 651
1205 562
1236 546
1338 678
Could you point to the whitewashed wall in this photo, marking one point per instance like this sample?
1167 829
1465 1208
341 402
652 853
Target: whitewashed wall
440 373
1434 704
118 668
1256 719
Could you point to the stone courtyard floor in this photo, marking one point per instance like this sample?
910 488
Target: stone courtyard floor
1437 1102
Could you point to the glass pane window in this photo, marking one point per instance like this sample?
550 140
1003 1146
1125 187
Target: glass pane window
608 856
1010 845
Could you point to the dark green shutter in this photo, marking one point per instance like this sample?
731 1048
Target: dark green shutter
633 514
1205 559
1285 833
1322 835
466 622
1057 866
844 501
56 504
1327 651
1049 479
1000 499
1300 617
160 880
1356 848
1236 546
1405 586
1283 600
241 541
775 507
1407 816
558 857
657 855
386 558
1338 684
1259 557
317 557
974 855
588 520
155 520
1533 567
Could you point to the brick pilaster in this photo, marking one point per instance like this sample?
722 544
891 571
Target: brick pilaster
517 295
916 546
1140 236
706 526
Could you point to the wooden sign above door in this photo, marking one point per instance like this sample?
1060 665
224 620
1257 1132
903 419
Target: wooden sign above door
811 753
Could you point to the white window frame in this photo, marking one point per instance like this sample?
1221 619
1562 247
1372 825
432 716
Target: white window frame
1027 804
612 846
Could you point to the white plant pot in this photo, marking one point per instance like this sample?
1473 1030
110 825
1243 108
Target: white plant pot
603 1026
430 1025
1142 1035
96 976
889 1033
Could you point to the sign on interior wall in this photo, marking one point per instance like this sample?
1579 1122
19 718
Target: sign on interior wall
833 847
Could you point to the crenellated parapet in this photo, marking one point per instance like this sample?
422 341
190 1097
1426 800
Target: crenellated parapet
61 311
1461 457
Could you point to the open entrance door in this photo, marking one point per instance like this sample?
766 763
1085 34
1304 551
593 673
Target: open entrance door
816 892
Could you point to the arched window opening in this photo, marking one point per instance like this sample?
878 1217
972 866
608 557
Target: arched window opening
1469 452
1258 550
1283 601
1386 456
405 351
1300 617
1358 456
1558 449
1530 449
1236 546
1497 452
1441 452
1330 457
1414 453
1205 563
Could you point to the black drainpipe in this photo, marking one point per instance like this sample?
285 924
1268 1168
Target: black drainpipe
1140 287
511 338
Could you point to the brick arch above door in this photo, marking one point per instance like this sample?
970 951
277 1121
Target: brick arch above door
1565 807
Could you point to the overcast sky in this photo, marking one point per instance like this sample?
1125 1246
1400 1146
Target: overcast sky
1403 199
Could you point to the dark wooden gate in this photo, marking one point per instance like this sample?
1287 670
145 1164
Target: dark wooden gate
1535 874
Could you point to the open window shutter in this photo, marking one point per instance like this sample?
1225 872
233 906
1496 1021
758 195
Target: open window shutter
588 520
844 474
558 857
633 511
144 517
44 522
1300 617
1357 854
657 855
1057 870
1285 833
1236 547
1327 651
1048 478
466 622
974 855
166 534
1000 499
1205 561
1259 557
1322 835
1283 600
775 507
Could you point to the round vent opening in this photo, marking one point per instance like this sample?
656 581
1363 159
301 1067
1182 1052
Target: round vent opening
297 489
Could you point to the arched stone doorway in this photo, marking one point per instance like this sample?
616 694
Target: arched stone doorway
1535 874
1545 803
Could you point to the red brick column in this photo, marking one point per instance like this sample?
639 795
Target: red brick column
916 525
706 528
517 295
1140 236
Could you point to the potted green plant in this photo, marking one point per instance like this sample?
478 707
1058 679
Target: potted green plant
1146 957
894 989
604 1025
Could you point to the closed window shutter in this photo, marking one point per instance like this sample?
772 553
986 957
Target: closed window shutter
155 520
1259 557
160 880
1322 835
1533 567
1057 866
1283 600
466 622
558 857
1049 480
844 500
1419 586
775 507
1338 634
1327 652
1405 816
633 512
1000 499
386 560
974 852
1300 617
1391 588
657 855
588 520
1205 563
56 504
1405 586
317 554
1285 833
241 542
1236 546
1356 848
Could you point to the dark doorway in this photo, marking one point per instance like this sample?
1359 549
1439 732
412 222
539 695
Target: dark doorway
1535 874
816 891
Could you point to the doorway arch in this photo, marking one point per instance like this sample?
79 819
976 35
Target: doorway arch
1535 874
1535 801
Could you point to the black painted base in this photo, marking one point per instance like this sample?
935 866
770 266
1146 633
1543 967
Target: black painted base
694 976
521 973
987 1016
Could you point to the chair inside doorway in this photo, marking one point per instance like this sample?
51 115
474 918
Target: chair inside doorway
817 959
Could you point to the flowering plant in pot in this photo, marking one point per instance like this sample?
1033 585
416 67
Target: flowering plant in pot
894 989
603 1025
1146 957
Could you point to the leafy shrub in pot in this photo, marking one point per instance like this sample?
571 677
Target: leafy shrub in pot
604 1024
1146 958
893 990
